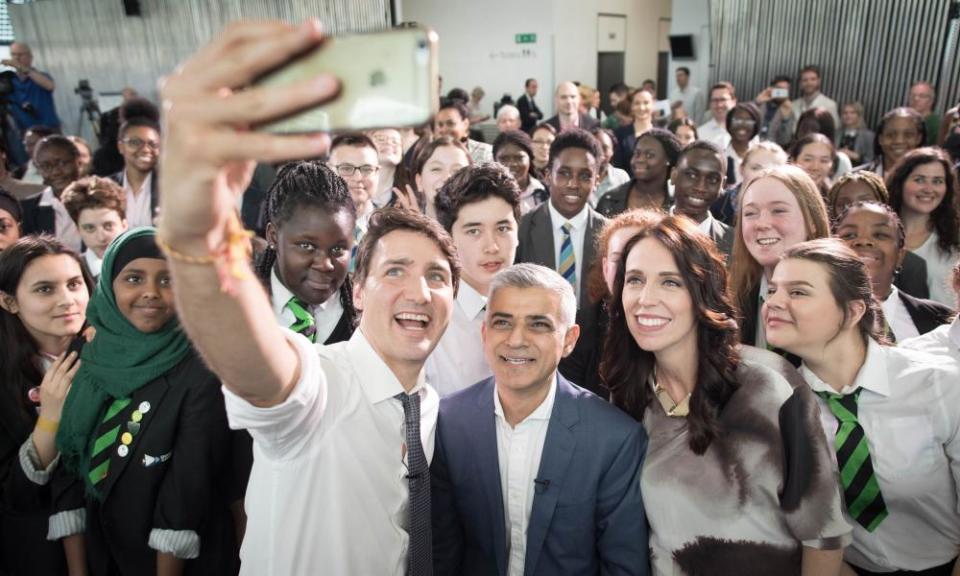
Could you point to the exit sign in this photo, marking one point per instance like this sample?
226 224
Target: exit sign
526 38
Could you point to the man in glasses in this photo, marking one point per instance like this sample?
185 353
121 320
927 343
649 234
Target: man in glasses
354 158
139 144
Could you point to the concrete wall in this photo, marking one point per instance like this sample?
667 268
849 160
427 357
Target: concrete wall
477 46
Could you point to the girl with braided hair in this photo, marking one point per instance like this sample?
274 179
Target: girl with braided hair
310 237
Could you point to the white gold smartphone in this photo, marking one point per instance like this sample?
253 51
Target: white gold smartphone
388 79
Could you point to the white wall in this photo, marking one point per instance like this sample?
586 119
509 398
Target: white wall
693 17
477 45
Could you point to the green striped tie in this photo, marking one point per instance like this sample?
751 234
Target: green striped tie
861 491
109 431
568 262
304 323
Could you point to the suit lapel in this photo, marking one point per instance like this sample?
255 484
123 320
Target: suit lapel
541 235
488 469
594 223
152 394
558 449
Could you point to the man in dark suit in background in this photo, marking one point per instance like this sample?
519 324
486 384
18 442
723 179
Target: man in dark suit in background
560 233
532 474
530 113
567 103
698 179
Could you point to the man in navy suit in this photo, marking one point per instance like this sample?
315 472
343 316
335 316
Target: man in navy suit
532 474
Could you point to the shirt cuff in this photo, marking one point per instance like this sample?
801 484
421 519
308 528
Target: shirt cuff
830 542
67 523
183 544
30 462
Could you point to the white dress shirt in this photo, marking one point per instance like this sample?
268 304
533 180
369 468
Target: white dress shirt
328 490
731 152
716 133
910 413
325 315
704 226
139 212
939 270
898 317
94 263
64 228
528 201
519 450
615 177
577 235
692 97
458 361
942 341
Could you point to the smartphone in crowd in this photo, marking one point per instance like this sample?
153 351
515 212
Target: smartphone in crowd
779 93
388 79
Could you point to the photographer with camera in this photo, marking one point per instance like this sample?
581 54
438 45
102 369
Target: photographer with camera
32 96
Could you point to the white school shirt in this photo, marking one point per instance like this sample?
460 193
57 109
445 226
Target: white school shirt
939 270
94 262
458 361
577 235
942 341
910 413
328 490
716 133
519 450
64 228
326 315
898 317
139 212
528 200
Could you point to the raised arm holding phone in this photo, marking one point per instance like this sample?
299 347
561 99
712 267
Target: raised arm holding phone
343 434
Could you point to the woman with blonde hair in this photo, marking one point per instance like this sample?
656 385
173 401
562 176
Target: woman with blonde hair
779 208
855 139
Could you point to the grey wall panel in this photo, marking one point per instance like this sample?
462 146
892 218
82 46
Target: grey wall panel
868 50
94 39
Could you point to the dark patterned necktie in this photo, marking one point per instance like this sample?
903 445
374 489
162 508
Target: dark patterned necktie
420 553
861 491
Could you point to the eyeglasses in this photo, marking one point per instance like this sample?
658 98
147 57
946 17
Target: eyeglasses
54 164
137 143
743 122
348 170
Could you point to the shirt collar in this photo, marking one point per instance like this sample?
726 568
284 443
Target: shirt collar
379 383
470 301
704 226
578 221
532 187
954 332
47 198
282 295
542 412
872 375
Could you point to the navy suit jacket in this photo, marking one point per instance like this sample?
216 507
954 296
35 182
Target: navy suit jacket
587 515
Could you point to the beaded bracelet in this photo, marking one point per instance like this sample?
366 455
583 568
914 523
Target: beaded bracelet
228 258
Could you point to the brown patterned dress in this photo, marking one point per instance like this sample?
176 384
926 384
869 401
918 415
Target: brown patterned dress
761 491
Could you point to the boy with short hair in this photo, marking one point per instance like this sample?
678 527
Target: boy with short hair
98 208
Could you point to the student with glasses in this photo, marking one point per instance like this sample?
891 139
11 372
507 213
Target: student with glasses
59 163
139 144
354 158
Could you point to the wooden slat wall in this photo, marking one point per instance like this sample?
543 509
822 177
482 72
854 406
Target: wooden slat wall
868 50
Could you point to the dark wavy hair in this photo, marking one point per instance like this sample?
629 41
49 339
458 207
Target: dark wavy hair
475 184
19 367
849 280
625 368
306 185
751 109
903 112
825 123
946 216
575 138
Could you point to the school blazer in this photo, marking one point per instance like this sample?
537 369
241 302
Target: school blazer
24 505
927 315
154 191
537 247
38 219
587 515
175 476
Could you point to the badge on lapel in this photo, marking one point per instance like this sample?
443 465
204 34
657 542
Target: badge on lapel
149 460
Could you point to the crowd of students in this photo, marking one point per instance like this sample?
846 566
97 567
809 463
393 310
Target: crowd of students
594 351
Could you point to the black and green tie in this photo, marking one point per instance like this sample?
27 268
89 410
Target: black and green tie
304 322
861 491
107 435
